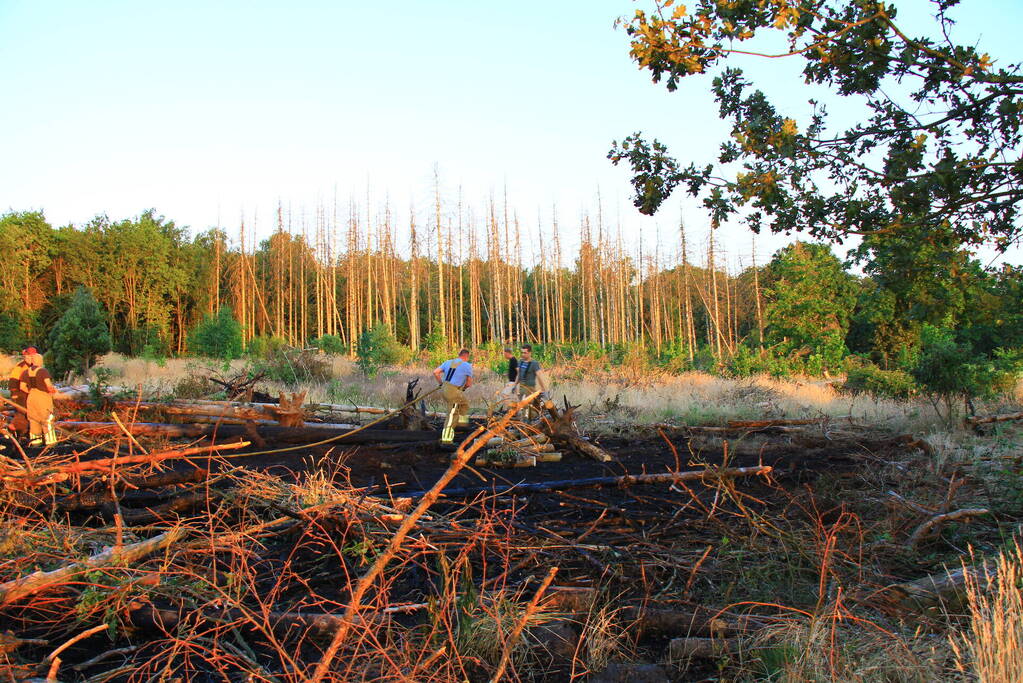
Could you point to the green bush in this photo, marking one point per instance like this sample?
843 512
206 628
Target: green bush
217 336
265 346
435 341
79 336
293 366
330 343
377 347
870 379
948 370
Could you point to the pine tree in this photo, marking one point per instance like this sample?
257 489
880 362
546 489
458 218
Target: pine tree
79 336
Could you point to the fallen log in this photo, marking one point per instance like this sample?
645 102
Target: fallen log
308 434
307 624
624 480
933 595
691 620
156 513
781 422
248 410
991 419
123 555
91 499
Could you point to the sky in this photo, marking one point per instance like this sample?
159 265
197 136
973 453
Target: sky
210 111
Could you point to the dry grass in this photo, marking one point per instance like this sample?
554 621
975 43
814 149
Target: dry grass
821 649
992 648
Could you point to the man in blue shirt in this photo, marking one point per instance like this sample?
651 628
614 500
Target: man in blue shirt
455 376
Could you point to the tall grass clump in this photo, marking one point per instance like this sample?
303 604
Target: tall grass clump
992 648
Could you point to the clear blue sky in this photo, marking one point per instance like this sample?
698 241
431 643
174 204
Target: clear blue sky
204 110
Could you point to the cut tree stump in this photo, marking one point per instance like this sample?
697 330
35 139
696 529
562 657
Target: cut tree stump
290 412
563 432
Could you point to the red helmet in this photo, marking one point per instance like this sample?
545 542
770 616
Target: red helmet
29 350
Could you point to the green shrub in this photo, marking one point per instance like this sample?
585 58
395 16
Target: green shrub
79 336
377 347
435 340
330 343
870 379
294 366
217 336
948 370
264 346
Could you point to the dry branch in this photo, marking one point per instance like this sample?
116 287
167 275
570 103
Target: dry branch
62 472
933 525
38 581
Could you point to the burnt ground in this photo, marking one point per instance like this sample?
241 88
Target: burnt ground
709 543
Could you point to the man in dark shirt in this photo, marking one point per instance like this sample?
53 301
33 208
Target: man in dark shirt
513 365
507 395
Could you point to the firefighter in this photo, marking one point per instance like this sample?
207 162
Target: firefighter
455 376
530 377
19 424
38 385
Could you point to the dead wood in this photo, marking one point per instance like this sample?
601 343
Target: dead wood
94 498
931 595
704 648
763 424
62 472
563 431
413 417
691 620
156 513
238 386
911 505
307 434
624 480
123 555
290 412
303 624
933 525
991 419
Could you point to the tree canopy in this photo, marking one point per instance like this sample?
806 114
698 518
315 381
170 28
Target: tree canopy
938 153
810 301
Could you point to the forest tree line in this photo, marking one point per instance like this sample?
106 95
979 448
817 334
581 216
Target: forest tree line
475 281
